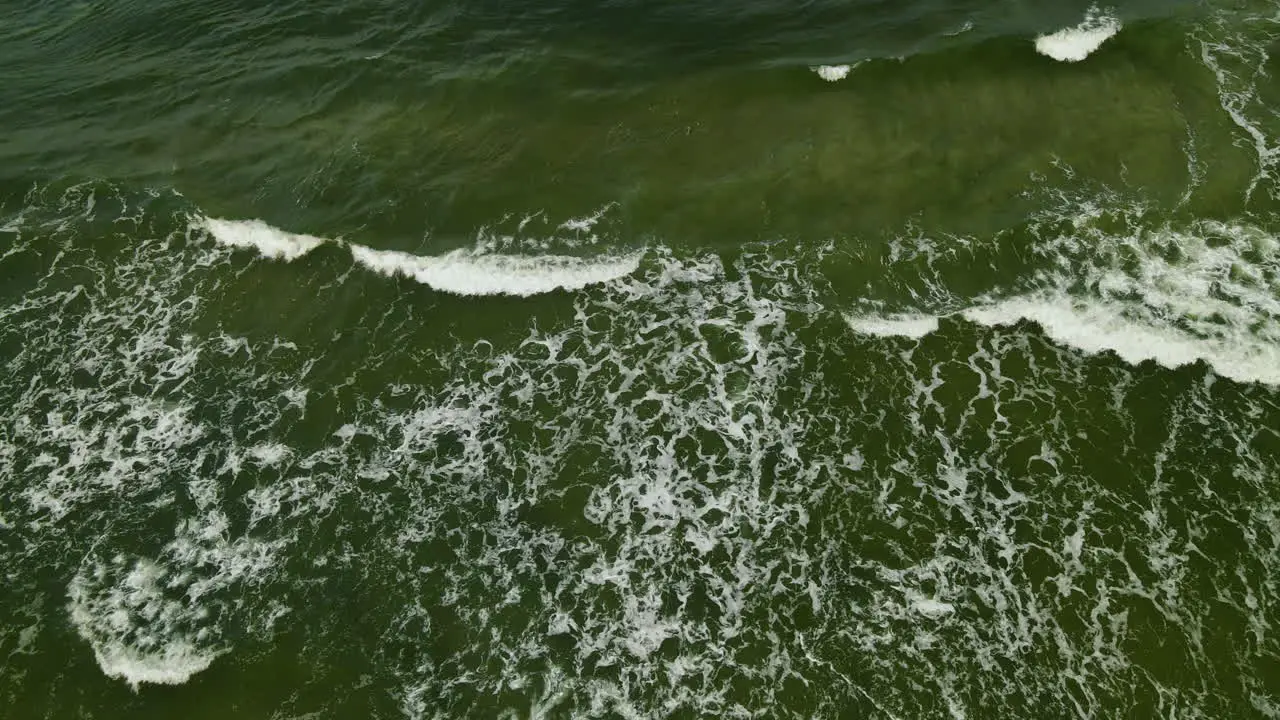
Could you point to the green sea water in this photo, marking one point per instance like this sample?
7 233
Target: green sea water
639 359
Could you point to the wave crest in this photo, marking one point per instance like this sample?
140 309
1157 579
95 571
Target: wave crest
466 272
474 271
1074 44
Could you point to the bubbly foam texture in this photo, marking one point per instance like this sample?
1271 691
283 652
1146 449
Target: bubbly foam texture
465 272
688 497
131 626
481 270
1093 327
1236 47
150 621
909 326
661 530
1174 296
1077 43
270 242
832 73
102 434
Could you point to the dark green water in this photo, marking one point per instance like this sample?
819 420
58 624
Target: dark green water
602 360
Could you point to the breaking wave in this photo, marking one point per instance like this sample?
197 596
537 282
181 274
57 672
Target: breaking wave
270 242
1076 43
695 493
1092 326
832 73
469 271
1207 293
466 272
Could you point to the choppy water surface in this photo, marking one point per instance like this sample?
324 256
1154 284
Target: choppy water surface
382 360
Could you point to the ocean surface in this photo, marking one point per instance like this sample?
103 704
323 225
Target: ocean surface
639 359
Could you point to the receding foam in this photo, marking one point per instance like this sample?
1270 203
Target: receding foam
466 272
1074 44
270 242
137 633
173 665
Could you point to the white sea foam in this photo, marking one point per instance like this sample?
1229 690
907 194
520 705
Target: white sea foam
466 272
1074 44
909 326
1092 327
133 627
1237 49
931 607
270 454
173 664
581 224
832 73
480 270
270 242
1173 296
691 578
159 621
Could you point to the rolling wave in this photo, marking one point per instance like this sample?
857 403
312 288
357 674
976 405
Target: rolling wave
1076 43
471 271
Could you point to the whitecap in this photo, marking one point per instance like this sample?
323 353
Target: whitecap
471 271
832 73
467 272
1074 44
173 665
270 242
1093 326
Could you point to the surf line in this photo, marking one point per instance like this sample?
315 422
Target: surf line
465 271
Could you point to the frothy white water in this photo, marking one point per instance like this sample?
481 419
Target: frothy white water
174 664
133 628
270 242
1107 281
832 73
1093 327
932 608
738 553
466 272
910 326
472 271
1074 44
158 621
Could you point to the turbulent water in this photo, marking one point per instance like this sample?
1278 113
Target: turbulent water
640 359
